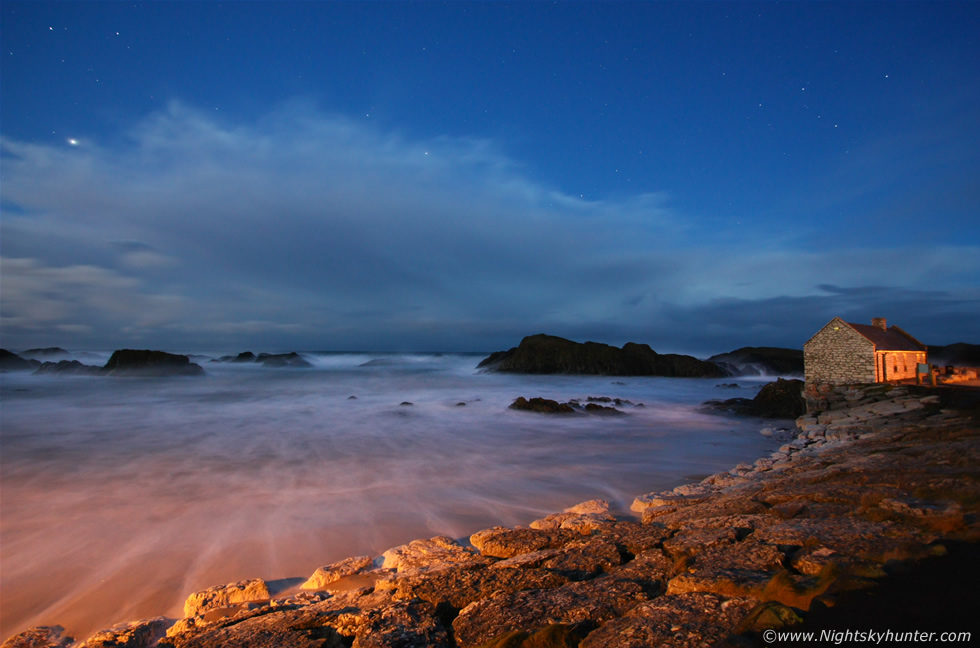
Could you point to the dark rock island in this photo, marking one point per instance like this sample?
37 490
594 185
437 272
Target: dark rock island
144 362
548 354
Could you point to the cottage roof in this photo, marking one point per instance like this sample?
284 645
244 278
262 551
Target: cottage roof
890 339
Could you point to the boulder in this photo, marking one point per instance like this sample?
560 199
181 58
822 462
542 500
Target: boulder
323 576
547 354
144 362
226 595
428 554
781 399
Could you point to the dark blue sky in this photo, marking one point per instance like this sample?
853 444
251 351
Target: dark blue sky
699 176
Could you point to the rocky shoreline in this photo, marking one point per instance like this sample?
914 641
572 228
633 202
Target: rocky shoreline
884 481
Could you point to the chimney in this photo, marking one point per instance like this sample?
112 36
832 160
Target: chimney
879 322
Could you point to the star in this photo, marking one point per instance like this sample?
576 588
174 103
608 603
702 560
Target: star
72 141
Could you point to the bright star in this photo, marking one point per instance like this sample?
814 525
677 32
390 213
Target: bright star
72 141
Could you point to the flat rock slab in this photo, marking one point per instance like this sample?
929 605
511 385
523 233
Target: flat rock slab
583 605
690 620
501 542
427 554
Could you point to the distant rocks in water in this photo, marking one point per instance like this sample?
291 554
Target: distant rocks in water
10 361
548 406
779 399
244 356
283 360
291 359
542 405
70 367
548 354
124 362
48 353
761 361
144 362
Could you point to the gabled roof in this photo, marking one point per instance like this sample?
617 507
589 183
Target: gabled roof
891 339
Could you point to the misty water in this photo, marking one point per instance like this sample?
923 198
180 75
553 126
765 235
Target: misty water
120 496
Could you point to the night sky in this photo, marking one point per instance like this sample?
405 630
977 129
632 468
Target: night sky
453 176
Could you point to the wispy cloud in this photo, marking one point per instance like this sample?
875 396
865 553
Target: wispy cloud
319 231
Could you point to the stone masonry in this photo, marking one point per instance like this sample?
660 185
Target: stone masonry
838 354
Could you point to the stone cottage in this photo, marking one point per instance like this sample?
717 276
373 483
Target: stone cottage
845 353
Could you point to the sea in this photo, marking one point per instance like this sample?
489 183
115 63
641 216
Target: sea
120 496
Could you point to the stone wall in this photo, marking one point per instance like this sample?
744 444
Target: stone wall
838 354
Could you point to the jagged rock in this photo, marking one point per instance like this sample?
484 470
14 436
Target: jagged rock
131 635
333 572
501 542
581 605
225 595
143 362
686 620
39 637
429 554
542 405
547 354
404 624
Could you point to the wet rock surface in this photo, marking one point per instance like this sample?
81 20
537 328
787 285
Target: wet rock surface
889 481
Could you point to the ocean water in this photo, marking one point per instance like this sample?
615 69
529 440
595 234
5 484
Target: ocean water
121 496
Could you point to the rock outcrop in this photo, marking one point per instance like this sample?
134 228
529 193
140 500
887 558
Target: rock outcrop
779 399
10 361
859 490
761 361
144 362
547 354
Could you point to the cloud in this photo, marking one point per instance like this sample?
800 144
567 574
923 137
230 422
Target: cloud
317 231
